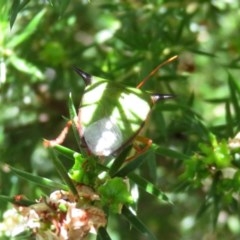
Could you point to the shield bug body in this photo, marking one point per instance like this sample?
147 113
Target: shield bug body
110 114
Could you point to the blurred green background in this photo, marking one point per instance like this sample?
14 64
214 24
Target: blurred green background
123 41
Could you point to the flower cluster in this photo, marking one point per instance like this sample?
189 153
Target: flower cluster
63 215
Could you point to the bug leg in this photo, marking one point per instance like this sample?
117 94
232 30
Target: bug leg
61 137
141 145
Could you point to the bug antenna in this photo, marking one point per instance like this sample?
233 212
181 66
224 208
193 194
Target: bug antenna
87 78
155 70
158 96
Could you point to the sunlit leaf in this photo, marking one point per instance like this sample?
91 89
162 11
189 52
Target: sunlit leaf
24 66
149 187
29 29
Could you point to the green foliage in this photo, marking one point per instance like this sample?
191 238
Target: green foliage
194 161
84 170
114 192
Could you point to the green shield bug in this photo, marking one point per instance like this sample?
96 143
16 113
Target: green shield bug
110 114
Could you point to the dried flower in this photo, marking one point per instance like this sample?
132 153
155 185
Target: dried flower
63 216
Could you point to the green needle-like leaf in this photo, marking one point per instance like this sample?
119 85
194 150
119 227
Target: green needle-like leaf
149 187
17 200
137 223
170 153
131 166
103 234
67 152
229 119
234 96
29 29
63 172
73 116
119 161
45 182
17 6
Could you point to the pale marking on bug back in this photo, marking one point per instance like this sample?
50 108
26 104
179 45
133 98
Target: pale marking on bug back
103 137
136 111
90 99
131 101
